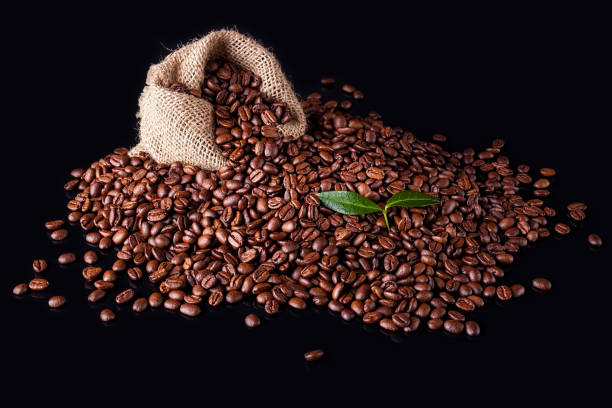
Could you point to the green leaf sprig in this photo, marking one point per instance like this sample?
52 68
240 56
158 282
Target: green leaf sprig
350 203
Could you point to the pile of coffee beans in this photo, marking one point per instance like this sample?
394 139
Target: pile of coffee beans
256 229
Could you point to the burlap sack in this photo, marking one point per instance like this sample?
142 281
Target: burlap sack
179 127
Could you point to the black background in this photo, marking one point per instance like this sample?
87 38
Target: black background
532 77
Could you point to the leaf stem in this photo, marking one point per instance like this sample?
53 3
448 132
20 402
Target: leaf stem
386 219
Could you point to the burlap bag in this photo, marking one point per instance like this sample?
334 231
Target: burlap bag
179 127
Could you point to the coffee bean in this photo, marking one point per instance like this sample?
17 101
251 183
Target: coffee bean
56 301
504 293
20 289
435 324
140 305
577 206
54 224
453 326
189 309
547 172
38 284
124 296
562 229
66 258
541 183
472 328
59 234
327 81
595 240
39 265
541 284
106 315
156 299
297 303
271 306
252 320
96 295
518 290
90 257
313 355
172 304
233 296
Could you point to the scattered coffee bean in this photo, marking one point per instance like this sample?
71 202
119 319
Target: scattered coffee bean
156 299
189 309
140 305
106 315
53 225
252 320
90 257
39 265
562 229
504 293
66 258
547 172
472 328
124 296
20 289
595 240
313 355
38 284
59 234
541 284
327 81
56 301
518 290
453 326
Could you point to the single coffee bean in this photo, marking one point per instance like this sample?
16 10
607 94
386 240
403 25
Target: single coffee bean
90 257
66 258
56 301
435 324
106 315
504 293
562 229
124 296
577 215
547 172
453 326
297 303
140 305
577 206
518 290
39 265
595 240
38 284
313 355
54 224
20 289
190 309
172 304
541 284
252 320
327 81
271 306
233 296
59 234
472 328
96 295
156 299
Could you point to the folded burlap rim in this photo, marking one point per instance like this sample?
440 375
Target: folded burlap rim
180 127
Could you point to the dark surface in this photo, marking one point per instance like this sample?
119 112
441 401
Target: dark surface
530 78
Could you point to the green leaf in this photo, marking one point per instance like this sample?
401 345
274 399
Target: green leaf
409 198
349 203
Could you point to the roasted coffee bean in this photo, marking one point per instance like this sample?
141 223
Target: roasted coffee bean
20 289
140 305
562 229
124 296
90 257
56 301
96 295
233 296
252 320
59 234
504 293
271 306
595 240
190 309
577 215
106 315
472 328
453 326
313 355
172 304
297 303
541 284
156 299
577 206
547 172
39 265
67 258
53 225
38 284
518 290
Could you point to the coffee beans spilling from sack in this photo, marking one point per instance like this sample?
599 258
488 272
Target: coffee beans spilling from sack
255 228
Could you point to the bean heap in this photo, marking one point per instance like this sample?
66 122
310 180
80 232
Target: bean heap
257 229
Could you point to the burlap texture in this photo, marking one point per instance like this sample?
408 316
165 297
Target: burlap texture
179 127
